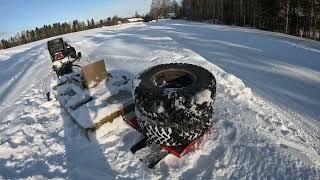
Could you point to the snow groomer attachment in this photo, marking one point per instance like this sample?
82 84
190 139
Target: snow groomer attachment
88 93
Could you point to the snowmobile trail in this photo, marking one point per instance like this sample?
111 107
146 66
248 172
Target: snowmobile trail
32 139
25 71
255 135
272 64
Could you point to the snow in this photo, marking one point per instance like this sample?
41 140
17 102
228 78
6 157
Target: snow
266 112
60 63
131 20
203 96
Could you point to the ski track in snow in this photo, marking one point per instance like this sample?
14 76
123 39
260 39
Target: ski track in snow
268 131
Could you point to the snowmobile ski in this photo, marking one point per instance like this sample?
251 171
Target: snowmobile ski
141 144
156 154
152 156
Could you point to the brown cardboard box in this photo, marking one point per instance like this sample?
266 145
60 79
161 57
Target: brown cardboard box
94 73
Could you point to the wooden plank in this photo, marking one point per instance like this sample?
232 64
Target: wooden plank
123 98
129 107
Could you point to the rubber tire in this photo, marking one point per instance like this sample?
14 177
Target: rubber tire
175 125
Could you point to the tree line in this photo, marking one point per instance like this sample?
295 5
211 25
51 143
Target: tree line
295 17
56 29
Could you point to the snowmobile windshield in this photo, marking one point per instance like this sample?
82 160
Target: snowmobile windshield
56 45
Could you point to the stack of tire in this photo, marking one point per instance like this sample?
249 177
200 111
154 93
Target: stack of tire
174 103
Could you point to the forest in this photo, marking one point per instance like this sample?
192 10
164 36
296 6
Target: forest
295 17
56 29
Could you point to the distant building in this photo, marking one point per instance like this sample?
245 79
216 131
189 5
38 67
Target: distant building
119 22
132 20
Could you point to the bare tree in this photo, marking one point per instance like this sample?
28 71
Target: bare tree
160 8
155 9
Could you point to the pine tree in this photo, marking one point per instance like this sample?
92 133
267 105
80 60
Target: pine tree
92 25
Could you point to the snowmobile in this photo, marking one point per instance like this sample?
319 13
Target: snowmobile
62 56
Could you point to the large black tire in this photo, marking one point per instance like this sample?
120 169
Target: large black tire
174 102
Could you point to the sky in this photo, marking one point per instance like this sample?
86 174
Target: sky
19 15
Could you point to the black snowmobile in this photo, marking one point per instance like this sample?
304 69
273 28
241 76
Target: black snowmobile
62 56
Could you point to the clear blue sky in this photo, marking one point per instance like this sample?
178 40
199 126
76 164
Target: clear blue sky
18 15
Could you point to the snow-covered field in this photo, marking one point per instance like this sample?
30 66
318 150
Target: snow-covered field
266 114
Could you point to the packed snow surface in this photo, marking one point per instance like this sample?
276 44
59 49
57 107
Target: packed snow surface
266 112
